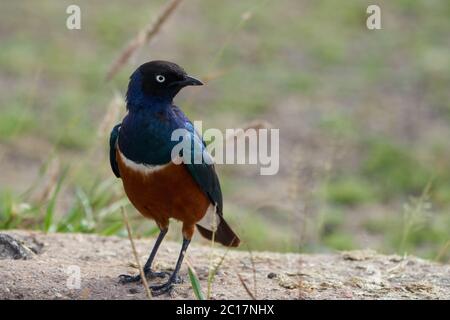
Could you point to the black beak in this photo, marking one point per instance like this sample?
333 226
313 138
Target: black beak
187 81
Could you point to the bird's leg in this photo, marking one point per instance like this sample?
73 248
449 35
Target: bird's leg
126 278
174 278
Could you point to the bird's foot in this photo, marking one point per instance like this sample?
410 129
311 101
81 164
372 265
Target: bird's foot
126 278
166 287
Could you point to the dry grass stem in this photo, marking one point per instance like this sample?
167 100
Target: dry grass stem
50 179
111 116
254 273
144 36
443 251
247 289
136 256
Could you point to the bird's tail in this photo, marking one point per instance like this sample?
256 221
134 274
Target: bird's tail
223 235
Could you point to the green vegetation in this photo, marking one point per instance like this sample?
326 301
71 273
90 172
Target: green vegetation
395 170
195 284
350 191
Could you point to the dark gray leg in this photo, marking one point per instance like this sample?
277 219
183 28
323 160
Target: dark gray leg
126 278
174 278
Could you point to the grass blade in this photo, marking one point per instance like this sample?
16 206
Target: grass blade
113 207
50 212
195 282
112 229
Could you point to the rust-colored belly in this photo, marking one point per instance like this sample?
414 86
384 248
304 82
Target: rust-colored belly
169 192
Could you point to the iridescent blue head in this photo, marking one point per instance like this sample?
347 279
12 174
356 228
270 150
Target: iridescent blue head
157 82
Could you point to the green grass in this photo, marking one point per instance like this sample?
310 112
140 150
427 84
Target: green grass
339 241
14 124
376 226
350 191
195 284
50 210
394 169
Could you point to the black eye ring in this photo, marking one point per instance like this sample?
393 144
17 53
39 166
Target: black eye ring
160 78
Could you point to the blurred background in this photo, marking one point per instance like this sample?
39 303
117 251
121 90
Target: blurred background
364 117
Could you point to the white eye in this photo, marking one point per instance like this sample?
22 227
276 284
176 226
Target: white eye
160 78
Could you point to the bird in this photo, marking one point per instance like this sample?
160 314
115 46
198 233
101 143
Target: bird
159 187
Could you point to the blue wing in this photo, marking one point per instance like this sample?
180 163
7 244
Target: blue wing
112 149
202 170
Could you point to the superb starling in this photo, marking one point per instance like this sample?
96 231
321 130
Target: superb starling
160 188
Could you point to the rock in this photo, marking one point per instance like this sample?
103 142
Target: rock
287 282
358 255
11 248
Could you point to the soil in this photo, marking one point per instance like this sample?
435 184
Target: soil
34 265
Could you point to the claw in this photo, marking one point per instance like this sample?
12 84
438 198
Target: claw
167 287
161 274
126 278
162 289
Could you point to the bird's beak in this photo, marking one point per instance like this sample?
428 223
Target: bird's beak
188 81
191 81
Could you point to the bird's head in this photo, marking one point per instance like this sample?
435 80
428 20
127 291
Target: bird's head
158 80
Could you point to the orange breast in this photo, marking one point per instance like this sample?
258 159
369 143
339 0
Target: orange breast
169 192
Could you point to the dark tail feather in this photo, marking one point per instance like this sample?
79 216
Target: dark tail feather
224 235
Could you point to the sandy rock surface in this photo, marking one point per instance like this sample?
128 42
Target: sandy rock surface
47 266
